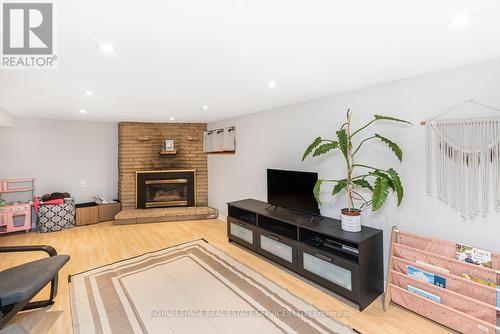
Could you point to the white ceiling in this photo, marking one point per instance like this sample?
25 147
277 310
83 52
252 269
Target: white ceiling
174 56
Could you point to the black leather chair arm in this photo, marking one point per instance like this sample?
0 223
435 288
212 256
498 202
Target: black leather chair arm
35 248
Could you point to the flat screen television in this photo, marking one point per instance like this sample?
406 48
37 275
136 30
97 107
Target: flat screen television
292 190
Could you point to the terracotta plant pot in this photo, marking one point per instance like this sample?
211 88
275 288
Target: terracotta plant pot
351 220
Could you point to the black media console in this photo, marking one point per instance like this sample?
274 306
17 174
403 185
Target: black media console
350 264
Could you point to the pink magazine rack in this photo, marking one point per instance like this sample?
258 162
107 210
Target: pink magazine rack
466 306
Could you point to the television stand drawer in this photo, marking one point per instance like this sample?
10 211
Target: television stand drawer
330 271
241 232
278 249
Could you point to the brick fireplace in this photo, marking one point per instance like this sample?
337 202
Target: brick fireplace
139 153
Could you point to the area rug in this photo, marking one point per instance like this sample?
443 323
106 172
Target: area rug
189 288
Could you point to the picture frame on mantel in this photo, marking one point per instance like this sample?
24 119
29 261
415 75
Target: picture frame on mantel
169 145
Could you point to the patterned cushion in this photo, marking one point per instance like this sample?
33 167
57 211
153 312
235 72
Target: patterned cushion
56 217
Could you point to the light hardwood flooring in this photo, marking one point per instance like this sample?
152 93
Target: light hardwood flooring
96 245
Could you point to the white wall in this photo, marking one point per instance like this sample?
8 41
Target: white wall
6 118
60 154
277 139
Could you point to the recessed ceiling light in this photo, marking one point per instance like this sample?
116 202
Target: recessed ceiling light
89 93
205 107
171 118
271 84
460 22
106 48
83 111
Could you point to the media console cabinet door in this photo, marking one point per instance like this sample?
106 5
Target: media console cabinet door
274 246
241 232
277 248
334 273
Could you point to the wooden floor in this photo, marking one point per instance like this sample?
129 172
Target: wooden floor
92 246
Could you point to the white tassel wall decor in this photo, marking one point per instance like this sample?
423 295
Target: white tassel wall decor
464 156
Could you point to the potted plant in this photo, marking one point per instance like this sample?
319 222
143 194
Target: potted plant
376 181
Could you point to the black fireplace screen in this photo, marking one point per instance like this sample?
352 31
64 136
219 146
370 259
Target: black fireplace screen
165 189
166 192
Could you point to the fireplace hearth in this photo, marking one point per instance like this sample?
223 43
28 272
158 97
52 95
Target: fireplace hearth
165 188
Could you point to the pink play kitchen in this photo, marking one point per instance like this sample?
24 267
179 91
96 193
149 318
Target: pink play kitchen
15 215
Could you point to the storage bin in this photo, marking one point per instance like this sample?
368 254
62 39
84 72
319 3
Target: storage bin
107 212
59 217
87 213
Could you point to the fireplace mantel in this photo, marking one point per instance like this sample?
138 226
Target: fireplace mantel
165 188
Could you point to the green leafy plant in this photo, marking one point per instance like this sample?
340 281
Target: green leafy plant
376 181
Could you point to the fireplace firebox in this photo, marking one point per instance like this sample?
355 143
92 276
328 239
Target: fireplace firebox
165 188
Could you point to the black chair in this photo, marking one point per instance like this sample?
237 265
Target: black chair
18 285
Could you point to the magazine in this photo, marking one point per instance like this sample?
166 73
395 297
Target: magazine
479 280
424 294
432 266
425 276
473 255
498 296
440 281
420 274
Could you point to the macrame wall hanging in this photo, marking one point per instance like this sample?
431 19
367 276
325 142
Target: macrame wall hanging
463 155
